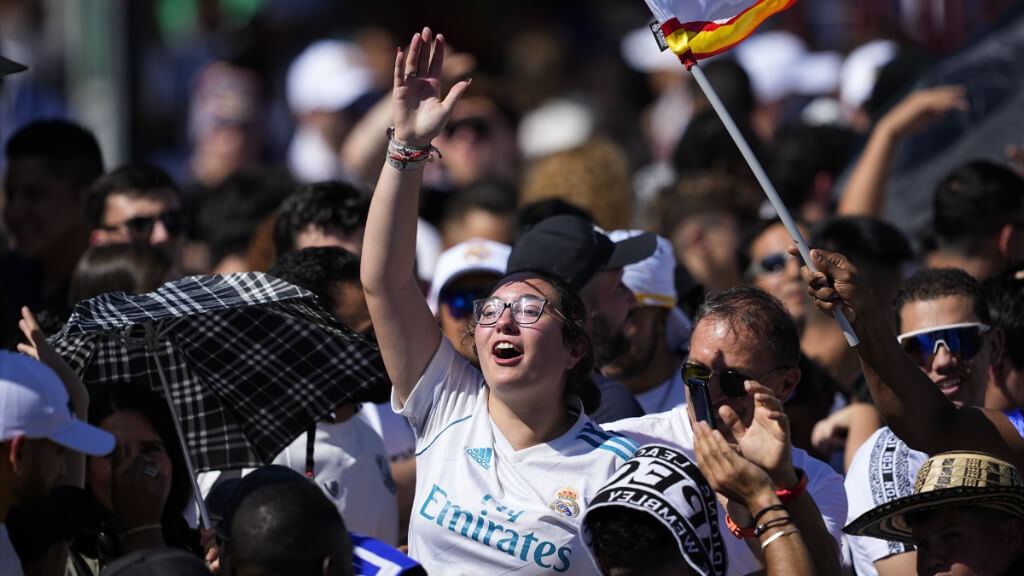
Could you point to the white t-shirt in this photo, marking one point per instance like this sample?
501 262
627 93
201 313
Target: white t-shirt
484 508
351 467
10 564
883 469
394 430
665 396
673 429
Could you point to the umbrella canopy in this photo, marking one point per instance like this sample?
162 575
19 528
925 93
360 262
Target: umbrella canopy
250 361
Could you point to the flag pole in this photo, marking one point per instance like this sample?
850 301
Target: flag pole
762 179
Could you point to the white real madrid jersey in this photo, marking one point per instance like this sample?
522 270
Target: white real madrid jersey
482 507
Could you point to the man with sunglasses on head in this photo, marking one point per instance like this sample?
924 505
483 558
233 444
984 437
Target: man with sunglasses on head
464 273
944 324
138 203
744 351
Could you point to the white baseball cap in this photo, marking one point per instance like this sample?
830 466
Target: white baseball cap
329 75
34 404
473 255
652 282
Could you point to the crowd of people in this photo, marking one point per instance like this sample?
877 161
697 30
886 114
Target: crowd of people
594 368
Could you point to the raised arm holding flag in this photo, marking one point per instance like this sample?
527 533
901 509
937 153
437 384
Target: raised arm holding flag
696 29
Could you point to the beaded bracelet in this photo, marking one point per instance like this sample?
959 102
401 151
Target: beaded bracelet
777 535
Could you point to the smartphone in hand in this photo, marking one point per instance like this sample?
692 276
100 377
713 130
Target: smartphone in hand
700 397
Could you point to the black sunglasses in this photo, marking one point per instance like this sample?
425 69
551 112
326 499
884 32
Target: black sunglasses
460 302
481 127
731 381
142 226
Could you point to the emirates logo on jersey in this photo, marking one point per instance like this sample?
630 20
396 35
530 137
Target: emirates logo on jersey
565 502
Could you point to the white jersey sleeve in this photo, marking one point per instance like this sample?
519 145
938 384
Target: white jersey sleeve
883 469
447 391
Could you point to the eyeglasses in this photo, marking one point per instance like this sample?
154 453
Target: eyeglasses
730 381
964 339
460 302
481 127
141 227
526 310
770 264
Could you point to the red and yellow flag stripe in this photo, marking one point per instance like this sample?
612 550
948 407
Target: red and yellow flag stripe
692 41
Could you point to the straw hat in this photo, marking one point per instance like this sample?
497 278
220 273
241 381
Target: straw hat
949 479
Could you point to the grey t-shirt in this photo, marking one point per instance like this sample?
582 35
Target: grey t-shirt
617 402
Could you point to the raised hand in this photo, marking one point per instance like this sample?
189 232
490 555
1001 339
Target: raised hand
419 111
921 108
138 488
729 474
766 441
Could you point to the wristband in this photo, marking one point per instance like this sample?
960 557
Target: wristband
739 533
787 495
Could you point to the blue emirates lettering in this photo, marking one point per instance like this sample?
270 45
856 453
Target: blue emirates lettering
477 527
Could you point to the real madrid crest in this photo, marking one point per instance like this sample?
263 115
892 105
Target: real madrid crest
565 503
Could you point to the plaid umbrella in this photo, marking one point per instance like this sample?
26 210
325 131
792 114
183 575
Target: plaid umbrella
246 361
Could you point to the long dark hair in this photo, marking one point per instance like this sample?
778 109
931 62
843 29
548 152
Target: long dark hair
121 397
579 382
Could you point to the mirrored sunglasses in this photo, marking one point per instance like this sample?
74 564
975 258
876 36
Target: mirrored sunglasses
965 339
730 380
771 264
460 302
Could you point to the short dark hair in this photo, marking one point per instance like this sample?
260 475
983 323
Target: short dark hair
135 179
933 283
695 194
134 268
631 541
759 313
70 150
1006 306
488 195
706 145
800 153
286 528
230 218
530 214
328 204
974 201
863 238
317 269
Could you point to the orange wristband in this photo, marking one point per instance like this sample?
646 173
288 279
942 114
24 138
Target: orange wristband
788 495
739 533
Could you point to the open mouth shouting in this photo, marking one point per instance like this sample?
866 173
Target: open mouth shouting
506 353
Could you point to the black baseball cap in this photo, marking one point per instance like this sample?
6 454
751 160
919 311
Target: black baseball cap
10 67
571 248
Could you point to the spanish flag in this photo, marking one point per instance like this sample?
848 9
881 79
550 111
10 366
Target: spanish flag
696 29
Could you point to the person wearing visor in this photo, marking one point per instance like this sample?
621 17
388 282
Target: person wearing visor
465 273
943 318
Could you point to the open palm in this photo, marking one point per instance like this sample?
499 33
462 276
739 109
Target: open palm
419 111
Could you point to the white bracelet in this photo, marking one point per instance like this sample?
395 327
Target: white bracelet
778 535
